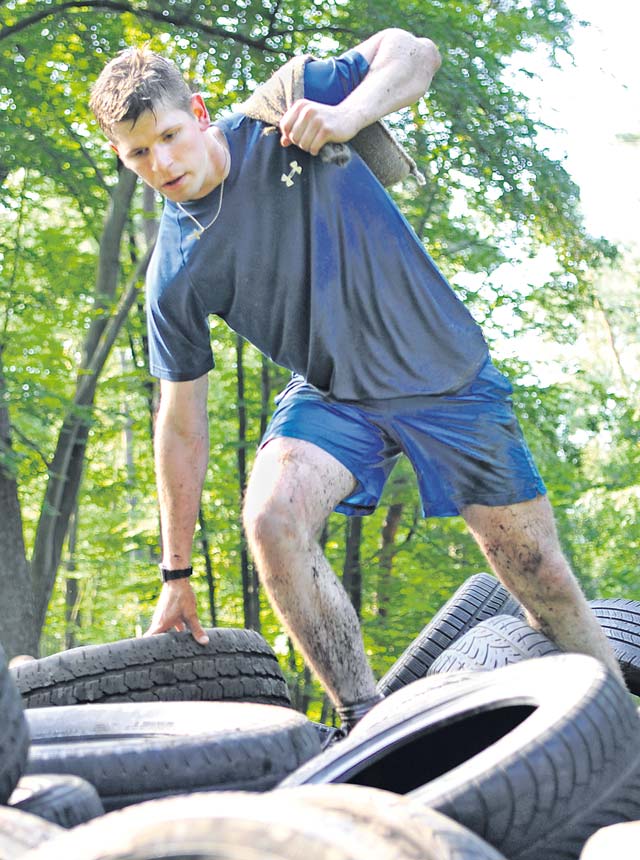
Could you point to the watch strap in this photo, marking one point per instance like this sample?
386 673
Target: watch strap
170 575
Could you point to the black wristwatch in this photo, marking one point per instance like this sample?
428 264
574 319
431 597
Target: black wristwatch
169 575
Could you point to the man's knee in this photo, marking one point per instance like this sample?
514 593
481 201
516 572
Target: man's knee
271 524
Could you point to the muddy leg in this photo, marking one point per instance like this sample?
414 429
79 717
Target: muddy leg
293 488
521 544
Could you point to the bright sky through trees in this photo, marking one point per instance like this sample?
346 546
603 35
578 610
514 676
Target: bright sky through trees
592 104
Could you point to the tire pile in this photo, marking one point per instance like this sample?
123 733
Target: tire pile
488 745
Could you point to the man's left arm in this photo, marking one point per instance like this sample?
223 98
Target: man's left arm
401 67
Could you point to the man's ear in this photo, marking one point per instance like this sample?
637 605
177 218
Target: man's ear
114 148
200 112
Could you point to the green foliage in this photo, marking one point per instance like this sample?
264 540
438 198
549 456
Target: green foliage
492 196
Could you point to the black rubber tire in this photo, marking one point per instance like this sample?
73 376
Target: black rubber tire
491 644
620 620
236 665
135 752
14 733
617 842
481 596
232 826
20 831
532 757
65 799
397 818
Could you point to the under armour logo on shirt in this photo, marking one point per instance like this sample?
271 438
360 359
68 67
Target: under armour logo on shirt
288 178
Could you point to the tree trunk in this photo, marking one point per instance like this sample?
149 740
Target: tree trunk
66 468
306 690
211 586
327 711
71 613
18 633
150 386
130 463
294 688
387 551
352 571
71 590
250 593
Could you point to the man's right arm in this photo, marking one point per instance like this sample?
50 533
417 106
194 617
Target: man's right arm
181 457
400 69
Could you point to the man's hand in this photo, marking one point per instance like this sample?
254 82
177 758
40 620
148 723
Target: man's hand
309 125
176 609
401 67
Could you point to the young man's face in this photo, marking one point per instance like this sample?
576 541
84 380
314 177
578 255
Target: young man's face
170 150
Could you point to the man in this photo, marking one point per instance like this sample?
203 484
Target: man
314 264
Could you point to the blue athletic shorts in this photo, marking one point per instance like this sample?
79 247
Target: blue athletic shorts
466 448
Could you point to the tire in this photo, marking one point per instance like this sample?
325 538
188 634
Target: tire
620 620
492 644
14 733
63 800
135 752
236 665
532 757
617 842
397 818
20 831
232 826
481 596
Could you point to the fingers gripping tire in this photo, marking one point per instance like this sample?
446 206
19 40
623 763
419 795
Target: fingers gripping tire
532 757
481 596
234 826
134 752
236 665
14 733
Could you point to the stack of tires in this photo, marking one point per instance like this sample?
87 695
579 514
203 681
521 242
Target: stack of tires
534 756
101 727
196 753
482 627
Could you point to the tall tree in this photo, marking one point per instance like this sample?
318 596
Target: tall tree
67 464
352 569
19 631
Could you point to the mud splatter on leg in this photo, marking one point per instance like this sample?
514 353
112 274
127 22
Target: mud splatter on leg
293 488
521 544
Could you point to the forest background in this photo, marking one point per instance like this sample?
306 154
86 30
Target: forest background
78 510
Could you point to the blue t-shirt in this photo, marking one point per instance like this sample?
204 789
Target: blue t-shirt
315 265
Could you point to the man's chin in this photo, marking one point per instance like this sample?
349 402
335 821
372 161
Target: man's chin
178 191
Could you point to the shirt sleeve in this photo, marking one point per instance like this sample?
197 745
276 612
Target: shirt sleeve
178 327
331 81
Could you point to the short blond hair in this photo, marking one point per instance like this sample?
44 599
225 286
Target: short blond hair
135 81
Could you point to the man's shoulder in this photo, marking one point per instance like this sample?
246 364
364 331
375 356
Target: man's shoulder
231 122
